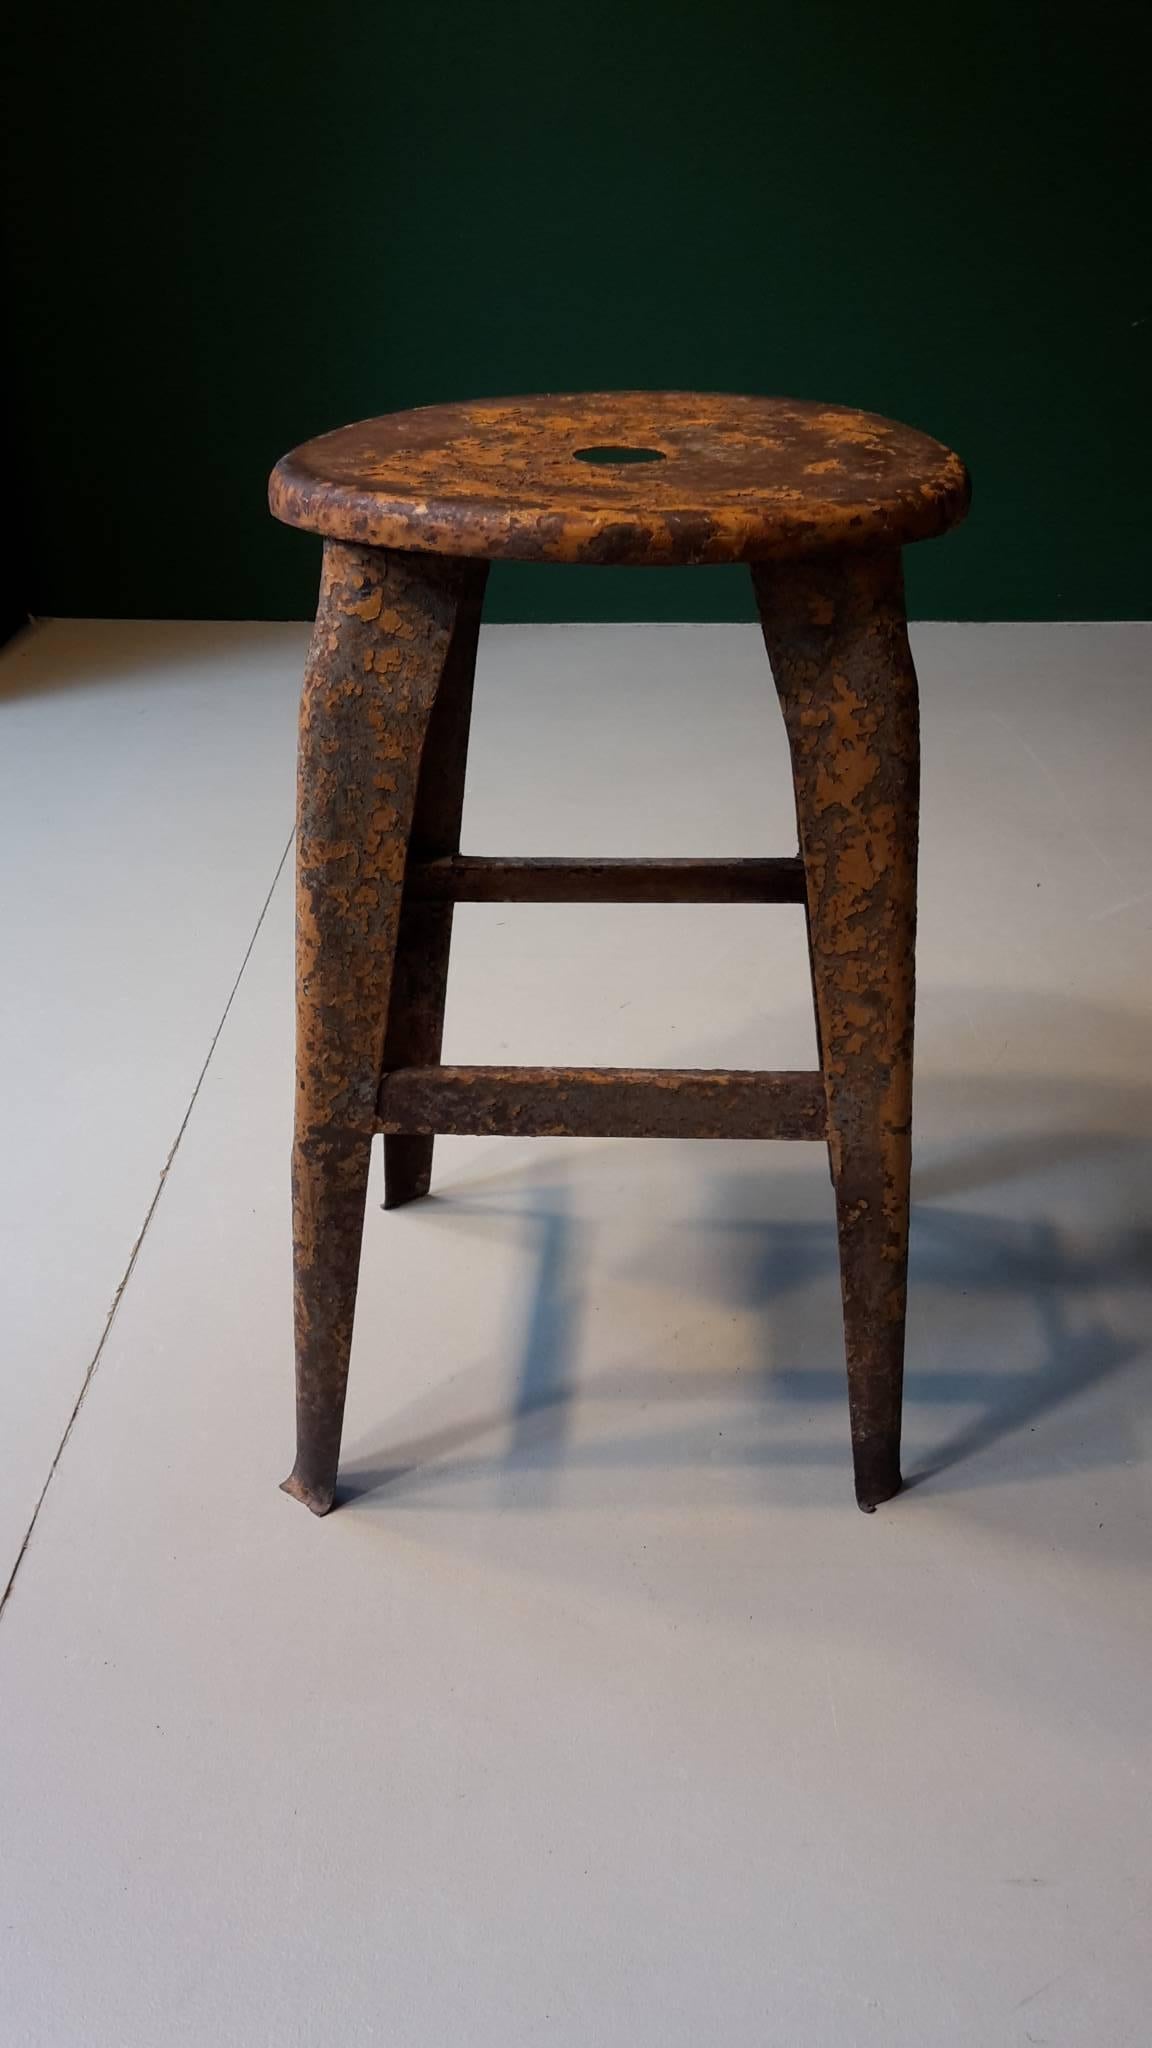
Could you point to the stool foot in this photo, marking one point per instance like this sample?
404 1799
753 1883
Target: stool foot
319 1499
877 1473
837 641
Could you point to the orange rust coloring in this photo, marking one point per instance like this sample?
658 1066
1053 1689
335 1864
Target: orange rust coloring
412 507
742 480
836 638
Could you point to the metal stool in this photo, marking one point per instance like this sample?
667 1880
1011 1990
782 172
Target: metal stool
819 501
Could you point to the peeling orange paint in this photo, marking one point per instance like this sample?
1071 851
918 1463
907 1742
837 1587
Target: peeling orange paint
819 499
837 641
742 479
383 633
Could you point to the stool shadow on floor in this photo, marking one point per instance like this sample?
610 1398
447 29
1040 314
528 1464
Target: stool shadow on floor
984 1257
1028 1244
1034 1262
536 1423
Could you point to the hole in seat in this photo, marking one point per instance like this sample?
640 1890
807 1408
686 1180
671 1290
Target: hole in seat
618 455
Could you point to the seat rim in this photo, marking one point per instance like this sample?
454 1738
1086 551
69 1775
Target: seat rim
560 516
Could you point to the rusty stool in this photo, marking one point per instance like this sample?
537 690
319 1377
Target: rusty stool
413 507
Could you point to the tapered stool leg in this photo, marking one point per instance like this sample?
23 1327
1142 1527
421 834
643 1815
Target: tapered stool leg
837 640
420 978
384 629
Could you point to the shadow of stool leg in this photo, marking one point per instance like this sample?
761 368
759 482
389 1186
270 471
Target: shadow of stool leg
384 628
837 640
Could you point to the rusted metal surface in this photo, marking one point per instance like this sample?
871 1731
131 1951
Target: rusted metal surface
738 479
382 638
603 1102
819 499
474 878
420 975
838 645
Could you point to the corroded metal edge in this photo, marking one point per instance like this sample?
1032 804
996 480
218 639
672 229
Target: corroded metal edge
837 640
603 1102
483 878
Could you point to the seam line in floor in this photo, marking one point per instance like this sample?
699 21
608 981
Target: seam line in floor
118 1297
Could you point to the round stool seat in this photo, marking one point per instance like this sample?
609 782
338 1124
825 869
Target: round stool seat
644 477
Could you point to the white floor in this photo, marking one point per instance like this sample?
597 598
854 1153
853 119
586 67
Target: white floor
598 1715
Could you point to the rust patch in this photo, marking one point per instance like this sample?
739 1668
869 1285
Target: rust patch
602 1102
383 640
837 641
743 479
819 499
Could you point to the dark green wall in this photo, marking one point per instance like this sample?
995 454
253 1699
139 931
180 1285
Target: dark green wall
236 225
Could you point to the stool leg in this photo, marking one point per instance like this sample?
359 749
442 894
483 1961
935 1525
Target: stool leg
383 631
420 977
837 640
816 1010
